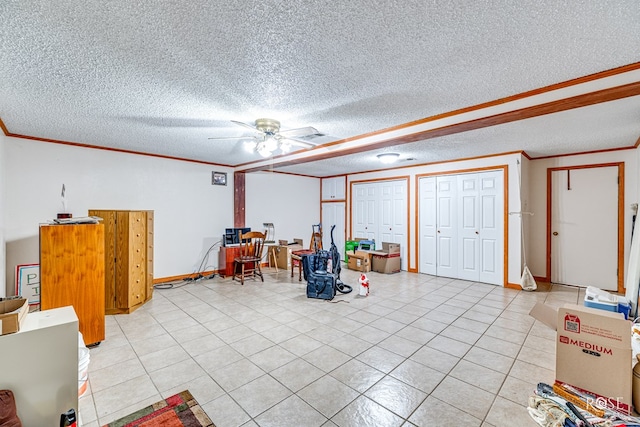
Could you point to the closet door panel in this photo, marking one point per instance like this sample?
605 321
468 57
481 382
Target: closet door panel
468 227
428 226
447 228
359 211
491 228
386 221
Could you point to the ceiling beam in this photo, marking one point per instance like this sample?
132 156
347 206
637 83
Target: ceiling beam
578 101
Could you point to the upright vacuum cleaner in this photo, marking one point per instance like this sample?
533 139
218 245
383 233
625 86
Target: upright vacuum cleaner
323 280
335 264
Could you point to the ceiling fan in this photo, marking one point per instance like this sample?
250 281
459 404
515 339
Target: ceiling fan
270 138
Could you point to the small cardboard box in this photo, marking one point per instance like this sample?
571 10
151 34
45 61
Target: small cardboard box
283 254
387 260
593 351
359 261
385 264
393 249
12 313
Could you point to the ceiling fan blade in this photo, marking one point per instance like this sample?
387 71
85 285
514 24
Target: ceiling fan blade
253 128
298 132
298 142
226 138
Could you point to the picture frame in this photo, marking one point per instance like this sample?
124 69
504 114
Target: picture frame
28 282
219 178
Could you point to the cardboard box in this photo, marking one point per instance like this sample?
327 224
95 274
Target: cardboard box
283 254
593 351
12 314
359 261
385 264
386 260
391 248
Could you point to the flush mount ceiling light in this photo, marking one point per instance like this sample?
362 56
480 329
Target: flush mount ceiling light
388 157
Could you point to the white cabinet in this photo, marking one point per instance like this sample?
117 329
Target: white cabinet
40 365
334 188
461 226
380 213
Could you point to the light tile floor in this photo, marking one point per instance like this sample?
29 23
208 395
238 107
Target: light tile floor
418 351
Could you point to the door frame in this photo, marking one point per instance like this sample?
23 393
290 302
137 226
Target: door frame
620 166
505 220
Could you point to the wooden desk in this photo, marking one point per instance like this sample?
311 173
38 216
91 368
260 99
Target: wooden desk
225 259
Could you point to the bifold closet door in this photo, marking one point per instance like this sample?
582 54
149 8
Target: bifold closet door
461 226
379 212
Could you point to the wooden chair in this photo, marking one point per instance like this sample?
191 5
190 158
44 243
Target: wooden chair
247 264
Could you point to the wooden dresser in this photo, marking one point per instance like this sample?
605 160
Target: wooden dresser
128 258
72 273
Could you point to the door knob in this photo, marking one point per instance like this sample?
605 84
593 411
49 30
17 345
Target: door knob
438 231
555 233
476 232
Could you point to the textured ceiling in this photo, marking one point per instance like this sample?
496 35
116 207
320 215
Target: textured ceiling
161 77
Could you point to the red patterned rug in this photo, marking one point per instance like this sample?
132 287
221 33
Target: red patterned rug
175 411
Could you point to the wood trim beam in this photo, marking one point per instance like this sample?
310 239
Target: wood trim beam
578 101
239 187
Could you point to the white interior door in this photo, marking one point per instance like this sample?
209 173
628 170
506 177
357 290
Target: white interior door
333 214
491 222
584 227
393 216
446 232
468 218
428 226
365 211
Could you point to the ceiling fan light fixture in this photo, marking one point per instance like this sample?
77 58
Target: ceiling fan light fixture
270 143
250 146
263 151
285 147
388 157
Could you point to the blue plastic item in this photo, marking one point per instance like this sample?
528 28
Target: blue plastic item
367 245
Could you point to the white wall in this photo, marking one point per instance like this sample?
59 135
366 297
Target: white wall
290 202
513 238
190 214
3 142
537 190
